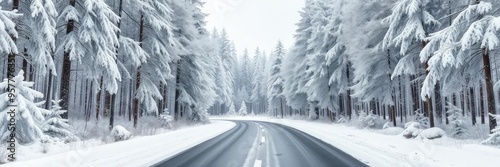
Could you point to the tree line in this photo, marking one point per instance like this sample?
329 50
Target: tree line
398 59
113 58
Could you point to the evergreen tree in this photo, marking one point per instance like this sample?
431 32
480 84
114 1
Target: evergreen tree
196 68
453 53
161 47
494 137
243 109
232 110
258 67
57 127
41 42
295 65
7 31
275 82
410 22
28 116
456 120
225 72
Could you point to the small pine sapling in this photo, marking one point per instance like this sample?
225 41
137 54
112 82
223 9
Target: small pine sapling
232 110
421 119
456 120
243 109
166 119
57 127
366 120
494 138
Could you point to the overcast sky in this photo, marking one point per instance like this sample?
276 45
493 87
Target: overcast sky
255 23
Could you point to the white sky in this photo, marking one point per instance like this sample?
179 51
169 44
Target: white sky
255 23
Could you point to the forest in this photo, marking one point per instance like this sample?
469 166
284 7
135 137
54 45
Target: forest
403 60
150 61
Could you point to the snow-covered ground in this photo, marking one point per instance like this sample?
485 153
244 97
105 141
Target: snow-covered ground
378 149
371 146
138 151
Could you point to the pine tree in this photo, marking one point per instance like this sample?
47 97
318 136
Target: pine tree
243 109
232 110
255 96
326 79
28 116
196 68
295 65
456 120
410 22
41 42
225 72
8 33
57 127
275 82
160 46
451 49
494 137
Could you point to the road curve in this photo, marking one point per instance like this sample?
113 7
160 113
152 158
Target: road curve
262 144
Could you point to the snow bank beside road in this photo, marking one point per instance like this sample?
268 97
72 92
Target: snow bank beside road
381 150
141 151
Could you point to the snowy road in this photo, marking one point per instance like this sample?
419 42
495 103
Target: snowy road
257 144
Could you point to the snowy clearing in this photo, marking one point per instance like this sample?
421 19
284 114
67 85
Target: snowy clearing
139 151
376 149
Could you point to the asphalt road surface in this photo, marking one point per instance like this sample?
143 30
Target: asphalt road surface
262 144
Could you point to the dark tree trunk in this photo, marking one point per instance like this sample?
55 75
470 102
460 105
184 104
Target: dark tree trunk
98 101
348 96
481 100
25 64
49 90
439 107
428 100
107 104
393 115
177 114
136 100
489 88
472 106
446 99
138 78
113 97
66 71
112 112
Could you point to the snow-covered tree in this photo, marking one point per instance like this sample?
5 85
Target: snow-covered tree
494 137
8 33
371 63
196 69
421 119
28 116
242 96
257 83
232 110
410 22
57 127
456 120
41 32
452 53
245 71
224 73
318 70
159 43
366 120
275 82
243 109
294 64
93 43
